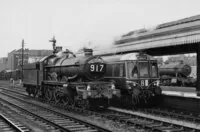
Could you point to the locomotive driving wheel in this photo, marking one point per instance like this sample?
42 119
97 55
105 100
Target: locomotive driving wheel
28 91
56 96
83 103
49 94
66 100
35 92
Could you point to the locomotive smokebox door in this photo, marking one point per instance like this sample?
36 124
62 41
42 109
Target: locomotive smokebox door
96 70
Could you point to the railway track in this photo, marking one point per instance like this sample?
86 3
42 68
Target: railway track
54 121
151 122
8 124
174 113
140 121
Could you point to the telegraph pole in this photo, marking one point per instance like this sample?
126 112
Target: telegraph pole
22 58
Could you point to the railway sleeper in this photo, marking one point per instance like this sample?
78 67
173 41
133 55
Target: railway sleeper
72 126
67 124
91 130
63 121
88 130
154 125
79 129
164 128
174 130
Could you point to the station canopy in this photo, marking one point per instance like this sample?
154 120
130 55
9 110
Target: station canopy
177 37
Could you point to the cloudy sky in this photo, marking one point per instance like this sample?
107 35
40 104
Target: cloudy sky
75 23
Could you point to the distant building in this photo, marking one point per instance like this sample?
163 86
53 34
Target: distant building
36 55
29 56
3 63
14 58
3 60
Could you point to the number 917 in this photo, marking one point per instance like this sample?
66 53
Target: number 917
96 68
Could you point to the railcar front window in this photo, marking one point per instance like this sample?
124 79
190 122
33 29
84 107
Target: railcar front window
143 69
132 70
154 70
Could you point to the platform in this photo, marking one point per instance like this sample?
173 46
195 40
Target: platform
181 94
188 92
177 88
188 101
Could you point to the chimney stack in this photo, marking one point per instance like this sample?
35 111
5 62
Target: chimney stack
88 52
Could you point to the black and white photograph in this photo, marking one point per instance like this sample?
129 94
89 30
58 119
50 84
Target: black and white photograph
100 66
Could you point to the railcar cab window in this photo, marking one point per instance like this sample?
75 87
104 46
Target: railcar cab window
132 69
138 69
154 69
143 69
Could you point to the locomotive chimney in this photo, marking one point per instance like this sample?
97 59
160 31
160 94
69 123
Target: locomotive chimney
88 52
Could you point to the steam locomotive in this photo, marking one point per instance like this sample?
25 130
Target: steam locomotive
65 78
136 75
176 74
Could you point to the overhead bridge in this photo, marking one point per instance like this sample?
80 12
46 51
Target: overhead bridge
176 37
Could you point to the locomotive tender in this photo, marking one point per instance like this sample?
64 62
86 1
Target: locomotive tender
65 78
136 75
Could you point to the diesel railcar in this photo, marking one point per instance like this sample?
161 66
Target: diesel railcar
70 80
136 75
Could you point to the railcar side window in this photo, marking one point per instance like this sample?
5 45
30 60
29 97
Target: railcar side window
109 70
122 71
118 70
115 70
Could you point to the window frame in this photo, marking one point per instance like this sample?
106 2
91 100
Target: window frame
121 64
148 67
151 62
137 64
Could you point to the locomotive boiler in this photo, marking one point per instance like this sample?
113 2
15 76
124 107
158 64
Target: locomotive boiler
71 68
176 74
175 69
65 78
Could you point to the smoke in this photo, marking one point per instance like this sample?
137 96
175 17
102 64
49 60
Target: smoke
97 45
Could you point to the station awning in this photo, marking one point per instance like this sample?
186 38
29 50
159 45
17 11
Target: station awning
188 38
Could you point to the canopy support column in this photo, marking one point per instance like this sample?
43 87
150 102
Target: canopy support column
198 70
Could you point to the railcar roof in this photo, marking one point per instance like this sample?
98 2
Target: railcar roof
124 57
